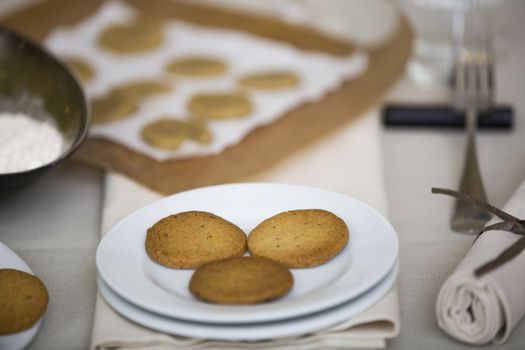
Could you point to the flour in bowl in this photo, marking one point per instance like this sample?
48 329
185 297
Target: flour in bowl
27 143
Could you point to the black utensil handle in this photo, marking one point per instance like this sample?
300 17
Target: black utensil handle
500 117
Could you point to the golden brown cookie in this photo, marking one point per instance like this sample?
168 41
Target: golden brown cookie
187 240
141 35
270 80
197 67
299 238
81 67
124 100
170 133
23 300
241 280
220 105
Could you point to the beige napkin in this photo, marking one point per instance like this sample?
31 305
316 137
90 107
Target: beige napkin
349 162
484 310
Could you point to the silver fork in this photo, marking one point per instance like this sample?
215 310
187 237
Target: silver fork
473 92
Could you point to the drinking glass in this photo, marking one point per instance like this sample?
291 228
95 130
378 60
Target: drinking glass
438 26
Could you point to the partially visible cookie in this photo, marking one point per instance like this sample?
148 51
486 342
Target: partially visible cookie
273 80
23 300
187 240
81 67
220 105
299 238
169 134
141 35
197 67
241 280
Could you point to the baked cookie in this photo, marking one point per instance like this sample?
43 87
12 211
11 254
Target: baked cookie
241 280
169 134
141 35
23 300
197 67
81 67
189 239
270 80
299 238
124 100
220 105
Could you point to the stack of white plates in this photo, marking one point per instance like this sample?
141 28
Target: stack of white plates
158 297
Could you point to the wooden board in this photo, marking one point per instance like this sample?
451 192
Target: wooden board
265 146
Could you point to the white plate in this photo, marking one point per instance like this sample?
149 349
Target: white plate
254 331
372 250
9 260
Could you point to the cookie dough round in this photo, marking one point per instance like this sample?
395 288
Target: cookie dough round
141 35
241 280
299 238
112 107
81 67
124 100
169 134
220 106
139 89
23 300
270 81
197 67
189 239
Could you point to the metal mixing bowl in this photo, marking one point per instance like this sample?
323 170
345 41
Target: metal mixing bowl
34 82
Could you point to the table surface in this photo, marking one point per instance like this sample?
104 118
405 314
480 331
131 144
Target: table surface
54 224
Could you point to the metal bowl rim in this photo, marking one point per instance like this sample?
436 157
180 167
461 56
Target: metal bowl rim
85 108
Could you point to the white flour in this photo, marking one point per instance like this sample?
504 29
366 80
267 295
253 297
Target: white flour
27 143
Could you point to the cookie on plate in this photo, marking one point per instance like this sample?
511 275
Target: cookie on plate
189 239
141 35
197 67
220 105
170 133
23 300
241 280
273 80
299 238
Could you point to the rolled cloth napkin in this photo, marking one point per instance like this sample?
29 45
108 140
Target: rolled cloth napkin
339 153
481 310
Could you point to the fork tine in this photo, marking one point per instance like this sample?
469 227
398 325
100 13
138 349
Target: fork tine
459 93
487 76
490 78
473 79
484 84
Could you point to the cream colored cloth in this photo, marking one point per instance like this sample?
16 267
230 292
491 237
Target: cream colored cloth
349 162
485 310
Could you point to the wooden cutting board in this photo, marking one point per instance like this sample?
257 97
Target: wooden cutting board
265 146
